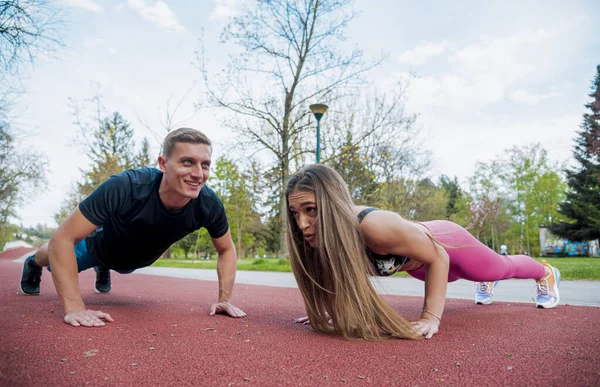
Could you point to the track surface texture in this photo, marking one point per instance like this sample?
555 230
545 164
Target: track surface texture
162 335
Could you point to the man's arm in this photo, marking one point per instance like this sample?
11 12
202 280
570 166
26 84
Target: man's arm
64 270
226 267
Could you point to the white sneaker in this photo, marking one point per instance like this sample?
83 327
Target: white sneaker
548 296
485 292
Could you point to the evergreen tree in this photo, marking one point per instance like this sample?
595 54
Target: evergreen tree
582 204
454 193
110 152
109 148
143 159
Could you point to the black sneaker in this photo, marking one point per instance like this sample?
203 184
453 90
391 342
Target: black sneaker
102 284
31 277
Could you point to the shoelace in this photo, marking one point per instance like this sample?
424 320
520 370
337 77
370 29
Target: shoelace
542 287
483 287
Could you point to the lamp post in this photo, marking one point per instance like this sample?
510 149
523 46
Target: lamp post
318 109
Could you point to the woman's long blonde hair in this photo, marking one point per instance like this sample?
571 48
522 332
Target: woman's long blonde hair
334 277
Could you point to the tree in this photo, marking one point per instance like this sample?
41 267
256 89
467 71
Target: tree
231 187
521 184
353 168
107 140
582 204
20 170
28 29
430 201
187 243
454 194
547 194
400 172
68 204
143 158
110 152
370 136
290 59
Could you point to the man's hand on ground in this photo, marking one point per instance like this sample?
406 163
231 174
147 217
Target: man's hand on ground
226 308
87 318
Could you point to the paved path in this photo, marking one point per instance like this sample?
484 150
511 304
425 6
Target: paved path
572 292
515 290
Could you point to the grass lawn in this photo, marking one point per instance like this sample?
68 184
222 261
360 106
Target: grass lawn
570 268
576 268
250 264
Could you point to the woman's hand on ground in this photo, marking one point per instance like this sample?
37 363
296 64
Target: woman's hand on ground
302 320
87 318
427 327
226 308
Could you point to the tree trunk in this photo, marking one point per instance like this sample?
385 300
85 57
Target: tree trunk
239 235
283 213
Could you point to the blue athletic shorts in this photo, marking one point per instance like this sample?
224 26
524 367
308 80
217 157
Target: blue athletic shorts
85 260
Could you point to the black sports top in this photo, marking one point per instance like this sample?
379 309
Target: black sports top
384 265
135 228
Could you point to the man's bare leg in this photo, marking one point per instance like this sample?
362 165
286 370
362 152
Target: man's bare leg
41 256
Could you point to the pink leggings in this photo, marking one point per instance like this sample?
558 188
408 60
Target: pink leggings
474 261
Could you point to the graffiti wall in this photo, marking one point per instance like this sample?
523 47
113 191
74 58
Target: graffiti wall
551 245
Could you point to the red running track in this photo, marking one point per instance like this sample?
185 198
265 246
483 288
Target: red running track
162 335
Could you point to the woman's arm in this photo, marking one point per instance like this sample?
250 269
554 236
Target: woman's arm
388 233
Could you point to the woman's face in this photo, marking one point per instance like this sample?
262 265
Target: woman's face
303 206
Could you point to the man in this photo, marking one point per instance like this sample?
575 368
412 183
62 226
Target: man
130 220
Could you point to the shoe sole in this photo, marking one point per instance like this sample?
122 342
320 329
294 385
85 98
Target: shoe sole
557 276
23 292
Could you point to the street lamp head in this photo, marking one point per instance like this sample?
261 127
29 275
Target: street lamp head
318 110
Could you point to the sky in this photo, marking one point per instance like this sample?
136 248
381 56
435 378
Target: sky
487 76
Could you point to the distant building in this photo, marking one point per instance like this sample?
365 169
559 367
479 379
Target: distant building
15 244
551 245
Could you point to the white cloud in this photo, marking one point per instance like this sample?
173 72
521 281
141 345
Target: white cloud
502 58
158 13
89 5
488 70
457 145
422 53
224 9
455 92
528 98
94 42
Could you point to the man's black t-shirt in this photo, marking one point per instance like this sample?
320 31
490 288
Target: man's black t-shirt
135 228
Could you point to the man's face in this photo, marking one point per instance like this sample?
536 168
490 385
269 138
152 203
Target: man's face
186 169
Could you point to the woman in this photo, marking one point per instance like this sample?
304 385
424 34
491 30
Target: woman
334 246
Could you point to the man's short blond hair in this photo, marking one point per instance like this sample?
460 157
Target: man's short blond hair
185 135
